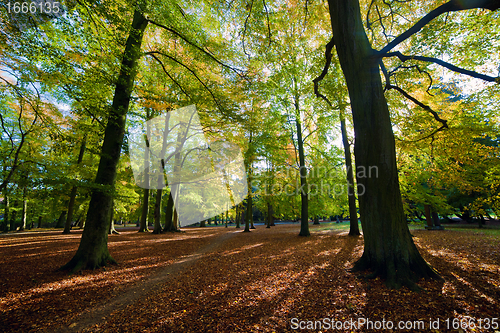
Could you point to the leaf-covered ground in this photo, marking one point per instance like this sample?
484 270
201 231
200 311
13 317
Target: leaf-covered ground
224 280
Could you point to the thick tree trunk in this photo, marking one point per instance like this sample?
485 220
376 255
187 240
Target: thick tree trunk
238 216
389 249
304 207
157 224
61 219
72 196
270 212
353 212
169 213
93 250
248 213
145 209
427 209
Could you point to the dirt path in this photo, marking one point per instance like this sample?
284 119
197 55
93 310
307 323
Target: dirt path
142 289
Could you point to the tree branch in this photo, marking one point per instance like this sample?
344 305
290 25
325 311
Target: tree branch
191 71
422 105
168 74
440 62
328 61
450 6
184 38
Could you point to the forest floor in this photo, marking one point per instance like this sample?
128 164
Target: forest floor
223 280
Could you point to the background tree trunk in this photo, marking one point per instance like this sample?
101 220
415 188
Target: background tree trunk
389 249
304 207
72 196
157 225
93 249
24 211
351 196
6 212
169 213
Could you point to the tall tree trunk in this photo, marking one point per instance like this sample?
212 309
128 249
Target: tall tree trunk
39 221
72 196
13 217
61 219
112 229
145 202
428 218
304 206
6 212
270 212
389 249
169 214
353 212
93 250
248 213
238 216
24 211
157 224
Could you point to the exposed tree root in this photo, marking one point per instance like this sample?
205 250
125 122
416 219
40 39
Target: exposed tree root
396 272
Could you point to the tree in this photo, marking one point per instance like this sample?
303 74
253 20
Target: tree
389 249
93 250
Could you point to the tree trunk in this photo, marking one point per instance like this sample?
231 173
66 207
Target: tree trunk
6 212
202 224
316 220
39 221
157 224
304 209
61 219
248 213
144 216
93 250
270 212
169 213
72 196
24 211
428 218
389 249
353 212
238 216
13 217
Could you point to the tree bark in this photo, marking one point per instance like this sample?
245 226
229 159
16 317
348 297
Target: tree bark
304 207
270 212
72 196
157 225
6 212
169 213
93 250
24 211
428 218
353 212
389 249
61 219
